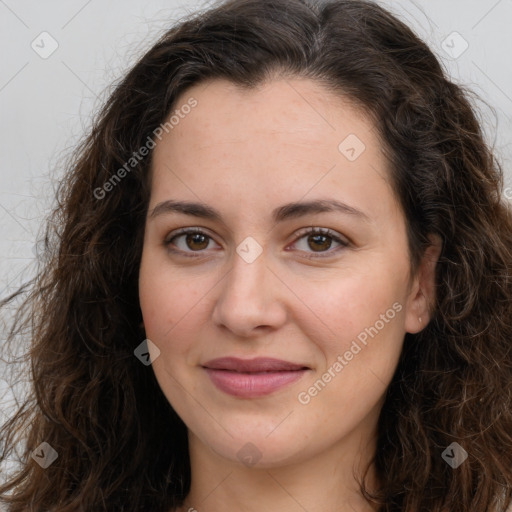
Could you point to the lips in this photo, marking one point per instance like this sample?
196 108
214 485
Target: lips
260 364
251 378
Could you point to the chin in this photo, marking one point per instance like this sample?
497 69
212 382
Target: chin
260 446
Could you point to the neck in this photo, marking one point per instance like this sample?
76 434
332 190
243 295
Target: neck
323 482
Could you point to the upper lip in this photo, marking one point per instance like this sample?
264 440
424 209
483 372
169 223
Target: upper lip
258 364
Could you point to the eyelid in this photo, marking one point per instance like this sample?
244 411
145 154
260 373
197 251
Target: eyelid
343 241
186 231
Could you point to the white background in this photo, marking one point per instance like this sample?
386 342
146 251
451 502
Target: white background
46 104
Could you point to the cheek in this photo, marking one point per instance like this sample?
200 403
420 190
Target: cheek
360 341
348 305
171 304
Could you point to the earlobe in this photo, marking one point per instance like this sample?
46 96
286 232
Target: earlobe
423 290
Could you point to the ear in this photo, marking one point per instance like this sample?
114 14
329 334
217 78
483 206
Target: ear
423 288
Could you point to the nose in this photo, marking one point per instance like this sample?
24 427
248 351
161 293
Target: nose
250 300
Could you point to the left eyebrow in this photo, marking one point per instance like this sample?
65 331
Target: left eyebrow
288 211
300 209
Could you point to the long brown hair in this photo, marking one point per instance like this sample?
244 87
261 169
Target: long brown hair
120 445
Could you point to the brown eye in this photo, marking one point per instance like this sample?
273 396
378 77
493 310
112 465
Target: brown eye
319 242
188 241
196 241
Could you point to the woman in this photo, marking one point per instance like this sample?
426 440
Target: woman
279 279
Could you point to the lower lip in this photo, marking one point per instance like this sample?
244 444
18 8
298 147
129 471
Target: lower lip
251 385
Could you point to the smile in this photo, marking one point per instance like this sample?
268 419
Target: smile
252 378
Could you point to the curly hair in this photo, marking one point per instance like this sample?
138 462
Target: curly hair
104 412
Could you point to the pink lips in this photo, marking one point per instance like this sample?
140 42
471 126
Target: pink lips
249 378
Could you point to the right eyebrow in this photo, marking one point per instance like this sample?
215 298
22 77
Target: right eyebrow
186 207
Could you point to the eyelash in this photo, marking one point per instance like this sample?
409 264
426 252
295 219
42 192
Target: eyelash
308 231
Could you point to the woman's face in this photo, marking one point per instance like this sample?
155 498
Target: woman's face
247 169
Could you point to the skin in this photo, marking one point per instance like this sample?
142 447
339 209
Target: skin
246 153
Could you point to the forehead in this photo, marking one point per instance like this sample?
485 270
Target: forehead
298 111
285 137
